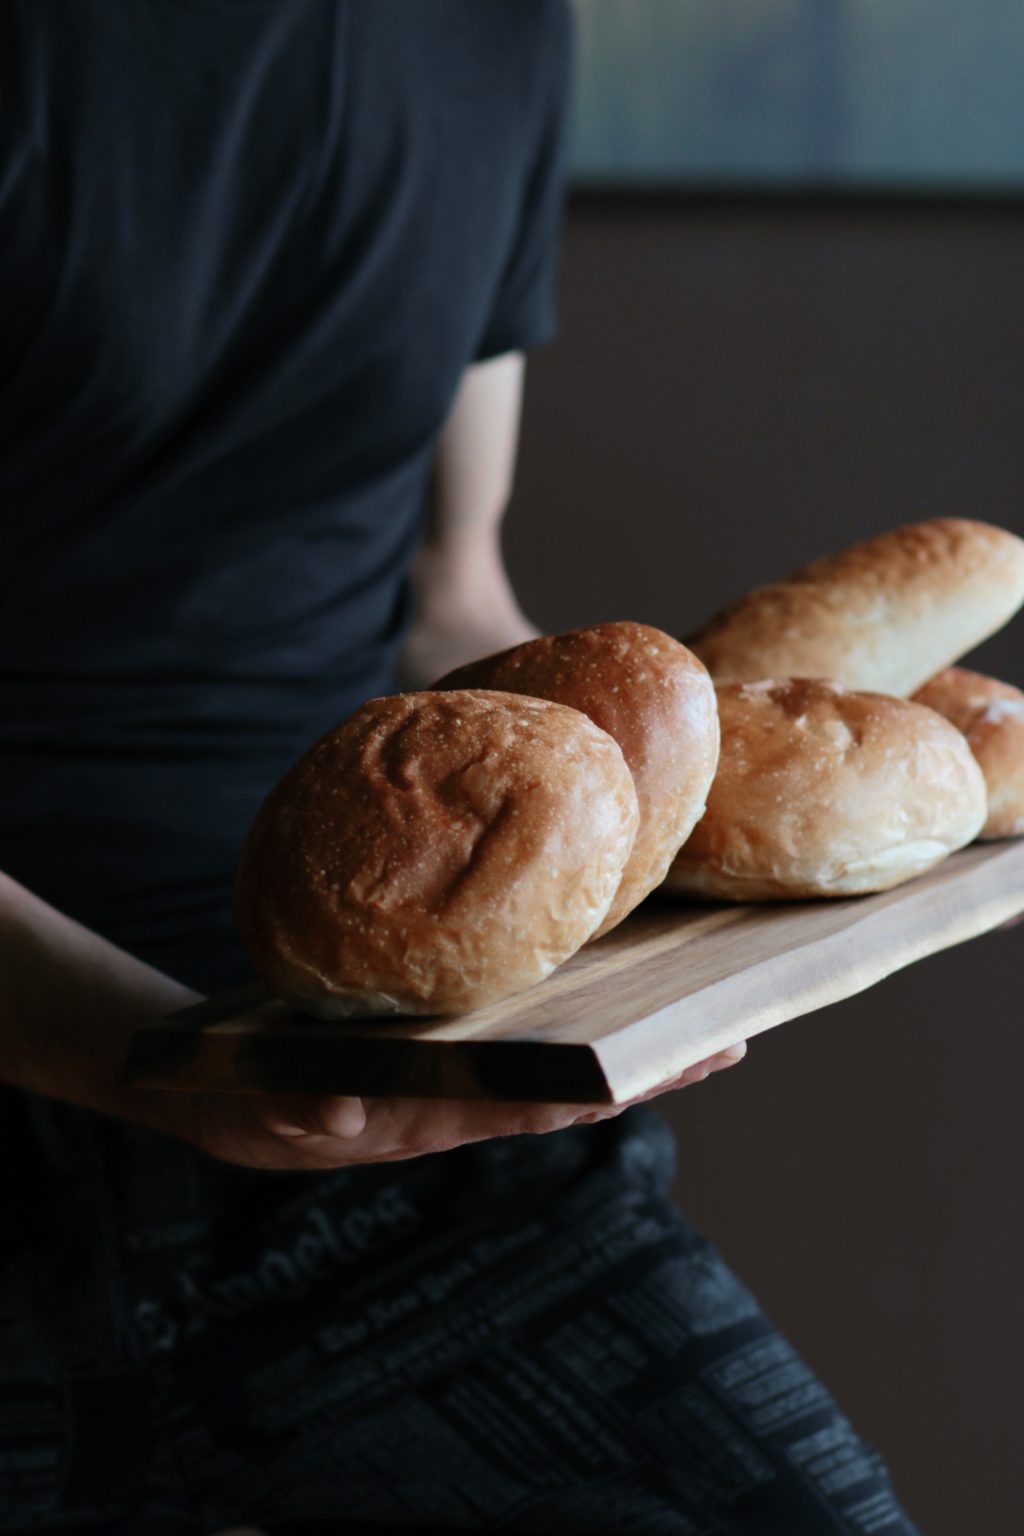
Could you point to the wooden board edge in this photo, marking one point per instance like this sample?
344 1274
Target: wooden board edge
639 1056
290 1061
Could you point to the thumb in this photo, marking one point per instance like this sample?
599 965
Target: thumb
294 1115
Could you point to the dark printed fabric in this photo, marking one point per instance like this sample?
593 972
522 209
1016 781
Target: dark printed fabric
521 1336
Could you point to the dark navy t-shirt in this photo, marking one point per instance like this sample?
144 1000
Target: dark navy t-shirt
248 248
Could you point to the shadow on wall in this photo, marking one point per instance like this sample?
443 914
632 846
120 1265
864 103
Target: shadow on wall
737 390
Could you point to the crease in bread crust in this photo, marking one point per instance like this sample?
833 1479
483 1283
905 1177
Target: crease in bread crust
824 791
437 852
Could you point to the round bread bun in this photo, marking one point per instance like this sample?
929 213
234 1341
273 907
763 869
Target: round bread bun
822 792
885 615
991 716
655 698
435 853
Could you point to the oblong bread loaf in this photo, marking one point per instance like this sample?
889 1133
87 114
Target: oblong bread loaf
655 698
435 853
991 716
825 792
883 616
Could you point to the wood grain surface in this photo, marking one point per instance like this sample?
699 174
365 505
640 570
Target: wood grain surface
673 984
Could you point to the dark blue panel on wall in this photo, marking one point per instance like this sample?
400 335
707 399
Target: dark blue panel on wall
845 93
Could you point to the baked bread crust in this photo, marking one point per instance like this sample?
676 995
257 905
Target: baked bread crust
435 853
885 615
824 792
991 716
655 698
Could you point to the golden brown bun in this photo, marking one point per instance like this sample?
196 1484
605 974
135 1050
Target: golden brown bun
991 716
885 615
821 792
435 853
655 698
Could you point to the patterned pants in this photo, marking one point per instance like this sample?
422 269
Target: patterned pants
523 1336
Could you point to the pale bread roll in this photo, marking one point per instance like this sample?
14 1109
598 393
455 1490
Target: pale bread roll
655 698
885 615
991 716
822 792
435 853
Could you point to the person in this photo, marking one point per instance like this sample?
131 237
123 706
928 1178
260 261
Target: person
271 270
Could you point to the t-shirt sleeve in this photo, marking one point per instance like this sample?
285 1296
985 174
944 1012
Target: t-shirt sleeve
523 314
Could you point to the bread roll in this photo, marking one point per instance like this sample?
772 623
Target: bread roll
435 853
821 792
656 699
991 716
885 615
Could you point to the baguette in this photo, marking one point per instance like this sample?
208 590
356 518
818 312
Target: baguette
883 616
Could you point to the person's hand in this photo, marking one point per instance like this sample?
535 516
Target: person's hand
304 1131
437 646
465 609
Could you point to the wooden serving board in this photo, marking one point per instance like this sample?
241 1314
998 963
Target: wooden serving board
673 984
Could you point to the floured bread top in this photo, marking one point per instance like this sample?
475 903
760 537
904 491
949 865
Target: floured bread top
655 698
822 791
991 716
435 853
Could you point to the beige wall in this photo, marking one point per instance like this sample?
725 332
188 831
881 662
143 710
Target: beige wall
736 390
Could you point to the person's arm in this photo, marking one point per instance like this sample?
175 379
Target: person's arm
69 1001
465 606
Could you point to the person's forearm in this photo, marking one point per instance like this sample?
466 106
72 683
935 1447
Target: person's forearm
68 1003
464 579
465 605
